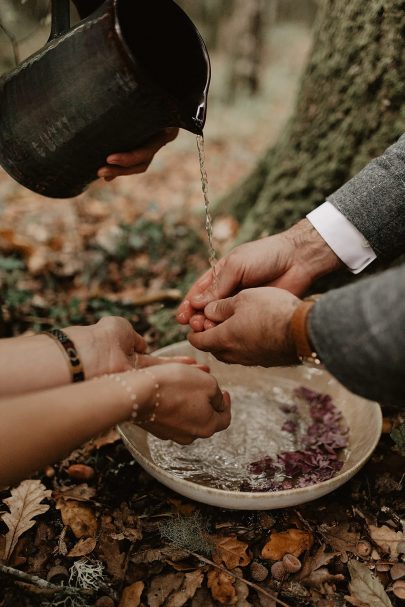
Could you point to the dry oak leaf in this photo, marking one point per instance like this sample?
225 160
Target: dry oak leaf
169 553
341 539
202 598
355 602
365 587
321 576
79 517
77 493
222 586
231 552
386 538
131 595
83 547
162 586
111 555
242 591
315 562
293 541
192 581
24 504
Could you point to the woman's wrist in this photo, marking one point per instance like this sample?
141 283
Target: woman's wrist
89 348
147 386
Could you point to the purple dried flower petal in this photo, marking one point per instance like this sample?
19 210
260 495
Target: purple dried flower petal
289 408
290 426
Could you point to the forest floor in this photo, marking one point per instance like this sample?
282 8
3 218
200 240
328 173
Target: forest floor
111 533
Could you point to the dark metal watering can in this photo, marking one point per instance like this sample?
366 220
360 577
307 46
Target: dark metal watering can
107 85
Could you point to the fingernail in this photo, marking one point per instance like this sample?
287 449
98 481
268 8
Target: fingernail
180 316
104 173
210 308
113 160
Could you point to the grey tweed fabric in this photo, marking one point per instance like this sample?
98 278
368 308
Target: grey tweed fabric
359 334
359 330
374 201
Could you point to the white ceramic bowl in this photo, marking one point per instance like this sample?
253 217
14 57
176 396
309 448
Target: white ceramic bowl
362 416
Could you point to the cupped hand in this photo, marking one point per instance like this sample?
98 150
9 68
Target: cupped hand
191 404
143 361
291 260
253 328
113 346
110 346
138 161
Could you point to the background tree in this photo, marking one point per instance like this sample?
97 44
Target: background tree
350 107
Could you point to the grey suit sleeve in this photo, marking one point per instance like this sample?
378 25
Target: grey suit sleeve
374 201
359 334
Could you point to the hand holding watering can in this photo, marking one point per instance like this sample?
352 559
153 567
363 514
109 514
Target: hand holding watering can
114 81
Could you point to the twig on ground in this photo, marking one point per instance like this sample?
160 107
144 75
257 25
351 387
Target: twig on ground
27 577
34 580
241 579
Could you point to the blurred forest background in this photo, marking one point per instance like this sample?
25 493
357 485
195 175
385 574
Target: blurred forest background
112 247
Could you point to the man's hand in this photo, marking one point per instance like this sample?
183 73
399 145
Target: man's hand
253 328
138 161
291 260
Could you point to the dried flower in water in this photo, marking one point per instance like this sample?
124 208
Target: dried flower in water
319 442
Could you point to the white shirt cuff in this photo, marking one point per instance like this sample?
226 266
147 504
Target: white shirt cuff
343 238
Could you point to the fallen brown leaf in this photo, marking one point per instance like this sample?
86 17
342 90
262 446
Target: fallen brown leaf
78 493
202 598
110 553
192 581
365 587
131 595
108 438
314 562
79 517
83 547
222 586
398 571
386 538
183 508
341 539
231 552
293 541
242 591
24 504
356 602
159 554
321 576
162 586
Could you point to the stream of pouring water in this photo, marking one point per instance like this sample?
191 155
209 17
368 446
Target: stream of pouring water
212 256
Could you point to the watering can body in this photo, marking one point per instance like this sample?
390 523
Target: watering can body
106 85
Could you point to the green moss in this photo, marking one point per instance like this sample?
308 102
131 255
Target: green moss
349 109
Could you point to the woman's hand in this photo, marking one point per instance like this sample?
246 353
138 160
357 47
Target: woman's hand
109 346
113 346
191 404
138 161
253 328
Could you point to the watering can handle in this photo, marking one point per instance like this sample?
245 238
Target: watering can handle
60 18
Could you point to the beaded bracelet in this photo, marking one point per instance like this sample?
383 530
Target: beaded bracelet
157 388
69 350
130 391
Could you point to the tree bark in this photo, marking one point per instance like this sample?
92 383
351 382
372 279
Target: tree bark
247 35
349 109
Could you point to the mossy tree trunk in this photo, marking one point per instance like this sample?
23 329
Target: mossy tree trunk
350 107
